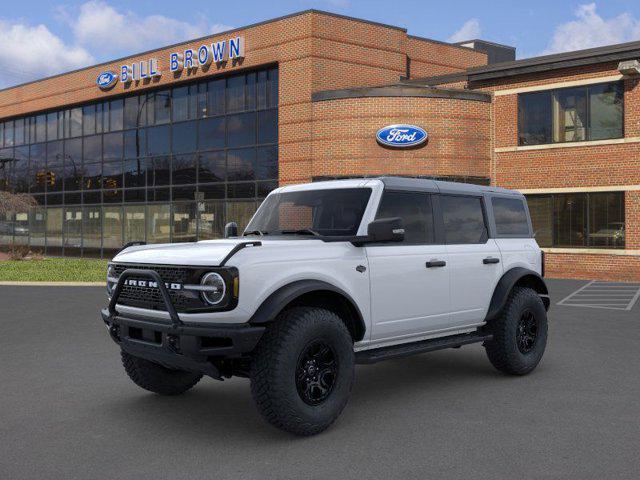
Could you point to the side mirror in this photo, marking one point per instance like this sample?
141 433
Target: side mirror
385 230
231 230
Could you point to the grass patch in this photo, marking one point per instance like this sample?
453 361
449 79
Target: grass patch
54 270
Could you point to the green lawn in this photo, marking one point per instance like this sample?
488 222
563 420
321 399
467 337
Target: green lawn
54 270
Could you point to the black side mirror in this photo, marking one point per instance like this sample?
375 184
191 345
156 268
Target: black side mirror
386 230
231 230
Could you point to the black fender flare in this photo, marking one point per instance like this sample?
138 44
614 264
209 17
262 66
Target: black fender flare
278 300
509 279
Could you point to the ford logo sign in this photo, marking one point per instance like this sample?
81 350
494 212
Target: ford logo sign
106 80
401 136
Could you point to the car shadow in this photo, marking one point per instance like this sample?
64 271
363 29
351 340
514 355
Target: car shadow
217 410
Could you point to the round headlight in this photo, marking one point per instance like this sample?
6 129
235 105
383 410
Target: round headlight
214 288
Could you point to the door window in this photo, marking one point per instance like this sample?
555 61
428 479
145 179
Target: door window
463 219
415 211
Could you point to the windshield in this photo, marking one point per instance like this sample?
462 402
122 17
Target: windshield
324 212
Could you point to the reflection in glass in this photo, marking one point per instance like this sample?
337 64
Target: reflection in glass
112 224
241 129
211 167
184 222
54 231
37 227
134 223
91 229
212 222
158 223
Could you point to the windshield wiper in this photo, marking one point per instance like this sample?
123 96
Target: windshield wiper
300 231
254 232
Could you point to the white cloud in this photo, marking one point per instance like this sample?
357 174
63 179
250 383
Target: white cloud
469 31
29 52
107 31
589 29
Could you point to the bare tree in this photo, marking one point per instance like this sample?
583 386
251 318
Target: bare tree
16 202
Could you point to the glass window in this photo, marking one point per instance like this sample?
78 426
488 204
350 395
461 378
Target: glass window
112 146
328 212
37 168
241 129
21 228
55 173
130 115
158 171
162 106
184 222
116 118
92 149
250 91
134 173
273 88
158 140
73 164
606 111
75 122
261 89
134 223
89 115
211 167
112 225
241 164
41 128
510 216
54 230
92 176
267 163
158 223
91 229
570 115
580 220
235 93
52 126
19 132
211 133
592 112
72 230
463 219
37 226
211 223
135 143
415 211
541 211
241 190
534 118
21 169
180 104
268 126
8 134
184 169
215 97
112 175
183 137
101 117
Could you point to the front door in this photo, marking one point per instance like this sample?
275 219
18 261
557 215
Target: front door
409 280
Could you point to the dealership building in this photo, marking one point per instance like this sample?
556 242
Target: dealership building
170 144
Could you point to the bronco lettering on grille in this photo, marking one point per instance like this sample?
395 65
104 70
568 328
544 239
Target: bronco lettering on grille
151 284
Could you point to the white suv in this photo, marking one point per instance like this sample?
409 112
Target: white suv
327 275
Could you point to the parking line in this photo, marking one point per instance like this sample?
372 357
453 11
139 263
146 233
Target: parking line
613 296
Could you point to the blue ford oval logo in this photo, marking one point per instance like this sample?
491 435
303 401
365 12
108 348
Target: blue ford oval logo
106 80
401 136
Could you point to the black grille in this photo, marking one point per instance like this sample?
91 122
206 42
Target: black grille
150 298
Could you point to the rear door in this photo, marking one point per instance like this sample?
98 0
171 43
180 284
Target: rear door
409 280
474 258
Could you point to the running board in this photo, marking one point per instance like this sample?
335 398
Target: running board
413 348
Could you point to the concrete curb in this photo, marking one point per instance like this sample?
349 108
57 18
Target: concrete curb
54 284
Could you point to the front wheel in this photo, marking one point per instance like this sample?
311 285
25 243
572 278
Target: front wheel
519 334
302 370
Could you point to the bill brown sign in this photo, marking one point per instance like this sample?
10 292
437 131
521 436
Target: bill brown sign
189 59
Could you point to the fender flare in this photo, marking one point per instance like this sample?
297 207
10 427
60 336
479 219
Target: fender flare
278 300
506 283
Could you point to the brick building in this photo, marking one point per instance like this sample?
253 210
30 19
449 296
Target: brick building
170 144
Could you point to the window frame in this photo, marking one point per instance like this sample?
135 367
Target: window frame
552 92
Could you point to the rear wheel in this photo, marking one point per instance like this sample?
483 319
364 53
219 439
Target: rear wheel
156 378
519 334
302 370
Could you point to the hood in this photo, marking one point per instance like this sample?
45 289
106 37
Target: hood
204 253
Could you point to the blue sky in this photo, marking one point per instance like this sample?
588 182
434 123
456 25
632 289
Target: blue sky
42 37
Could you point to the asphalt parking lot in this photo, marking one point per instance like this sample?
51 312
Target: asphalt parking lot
67 409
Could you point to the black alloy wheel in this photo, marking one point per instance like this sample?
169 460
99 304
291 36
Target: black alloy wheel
316 372
527 332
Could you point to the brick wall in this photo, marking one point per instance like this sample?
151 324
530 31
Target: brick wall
429 58
593 266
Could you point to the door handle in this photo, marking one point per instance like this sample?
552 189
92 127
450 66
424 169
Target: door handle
436 263
490 260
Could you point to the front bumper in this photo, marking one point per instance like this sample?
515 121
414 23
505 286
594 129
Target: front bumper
174 343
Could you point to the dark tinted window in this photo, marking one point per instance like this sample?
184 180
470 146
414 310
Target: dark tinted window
211 133
184 137
415 211
510 216
463 219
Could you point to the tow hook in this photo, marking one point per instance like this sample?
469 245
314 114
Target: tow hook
173 343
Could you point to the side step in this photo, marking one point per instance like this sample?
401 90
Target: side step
406 349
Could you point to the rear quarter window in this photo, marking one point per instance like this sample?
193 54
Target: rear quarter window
510 215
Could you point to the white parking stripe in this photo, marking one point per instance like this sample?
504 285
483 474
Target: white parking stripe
597 294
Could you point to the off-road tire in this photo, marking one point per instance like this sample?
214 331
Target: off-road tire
276 362
156 378
503 350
